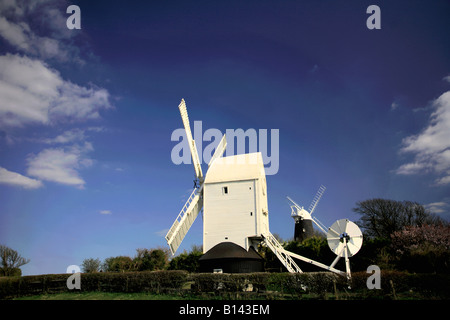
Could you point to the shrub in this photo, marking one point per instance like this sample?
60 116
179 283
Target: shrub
431 285
423 248
283 282
118 264
154 281
91 265
14 272
10 261
151 281
185 261
149 260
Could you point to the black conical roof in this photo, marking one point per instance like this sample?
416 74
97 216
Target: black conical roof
230 250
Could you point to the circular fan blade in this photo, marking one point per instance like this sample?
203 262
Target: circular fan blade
344 229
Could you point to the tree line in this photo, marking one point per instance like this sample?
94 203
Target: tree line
404 236
400 235
146 260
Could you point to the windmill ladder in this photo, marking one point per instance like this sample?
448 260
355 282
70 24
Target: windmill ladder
281 254
286 257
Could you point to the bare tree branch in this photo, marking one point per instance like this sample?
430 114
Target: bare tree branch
10 260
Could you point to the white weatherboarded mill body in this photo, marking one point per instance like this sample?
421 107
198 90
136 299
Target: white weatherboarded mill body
235 201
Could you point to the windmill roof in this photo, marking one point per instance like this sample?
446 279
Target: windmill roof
230 250
246 166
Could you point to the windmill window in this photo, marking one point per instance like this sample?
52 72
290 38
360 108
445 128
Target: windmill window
225 190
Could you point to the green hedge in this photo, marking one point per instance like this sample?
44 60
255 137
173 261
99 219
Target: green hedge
28 285
394 284
227 282
397 283
286 283
145 281
150 281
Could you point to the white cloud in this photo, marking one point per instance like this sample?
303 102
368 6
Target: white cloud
394 106
77 102
18 8
443 181
15 34
16 179
34 93
61 165
68 136
411 168
447 78
20 36
437 207
20 28
432 146
27 88
11 7
435 137
105 212
162 233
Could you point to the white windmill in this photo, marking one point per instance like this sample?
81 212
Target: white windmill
233 196
304 218
344 237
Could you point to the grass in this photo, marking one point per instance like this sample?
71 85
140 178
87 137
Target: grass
95 295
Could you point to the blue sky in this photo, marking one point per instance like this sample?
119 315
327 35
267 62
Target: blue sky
86 116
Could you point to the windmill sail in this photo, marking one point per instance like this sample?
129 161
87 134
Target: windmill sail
220 149
316 199
185 219
194 204
294 203
192 146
